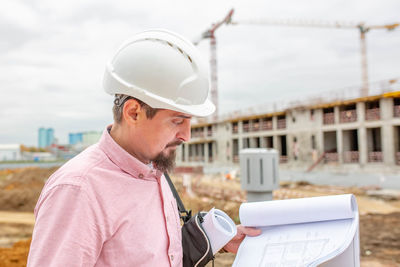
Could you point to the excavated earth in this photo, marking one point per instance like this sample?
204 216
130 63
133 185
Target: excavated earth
379 215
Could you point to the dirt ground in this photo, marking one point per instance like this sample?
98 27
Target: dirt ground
379 216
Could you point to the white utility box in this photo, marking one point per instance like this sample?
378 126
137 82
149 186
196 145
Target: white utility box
259 172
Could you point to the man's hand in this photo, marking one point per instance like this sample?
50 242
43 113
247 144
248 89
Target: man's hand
242 231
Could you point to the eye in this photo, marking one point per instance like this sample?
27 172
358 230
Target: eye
177 121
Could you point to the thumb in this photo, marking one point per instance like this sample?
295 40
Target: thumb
250 231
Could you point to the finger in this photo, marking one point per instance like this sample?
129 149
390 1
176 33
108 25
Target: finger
251 231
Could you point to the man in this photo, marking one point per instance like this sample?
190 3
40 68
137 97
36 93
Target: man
111 205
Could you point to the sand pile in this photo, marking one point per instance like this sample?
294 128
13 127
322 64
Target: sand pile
20 189
15 256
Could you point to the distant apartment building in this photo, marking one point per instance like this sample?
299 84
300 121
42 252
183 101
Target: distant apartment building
84 139
50 137
350 134
42 138
45 137
75 138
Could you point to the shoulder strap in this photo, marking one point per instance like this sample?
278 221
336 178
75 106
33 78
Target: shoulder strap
184 214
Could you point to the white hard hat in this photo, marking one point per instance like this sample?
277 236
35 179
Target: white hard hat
162 69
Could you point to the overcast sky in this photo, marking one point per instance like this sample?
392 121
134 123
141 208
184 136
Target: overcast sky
53 54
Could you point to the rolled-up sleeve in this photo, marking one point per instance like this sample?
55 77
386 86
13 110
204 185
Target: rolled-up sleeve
68 230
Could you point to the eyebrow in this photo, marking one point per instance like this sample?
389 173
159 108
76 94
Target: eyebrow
183 116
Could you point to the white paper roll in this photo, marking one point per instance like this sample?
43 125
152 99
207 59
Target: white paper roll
301 210
219 228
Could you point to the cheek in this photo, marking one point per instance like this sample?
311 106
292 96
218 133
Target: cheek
156 137
158 140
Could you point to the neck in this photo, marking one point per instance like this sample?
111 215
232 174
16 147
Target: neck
122 137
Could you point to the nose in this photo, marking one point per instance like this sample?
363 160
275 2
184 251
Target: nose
184 131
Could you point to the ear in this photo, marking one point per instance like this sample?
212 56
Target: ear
132 111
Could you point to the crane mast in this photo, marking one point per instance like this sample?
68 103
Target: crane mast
210 34
364 61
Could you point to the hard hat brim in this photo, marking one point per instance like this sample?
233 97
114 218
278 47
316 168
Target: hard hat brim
202 110
113 85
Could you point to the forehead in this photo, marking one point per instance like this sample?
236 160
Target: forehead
175 114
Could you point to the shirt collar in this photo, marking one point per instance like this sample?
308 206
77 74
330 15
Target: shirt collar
124 160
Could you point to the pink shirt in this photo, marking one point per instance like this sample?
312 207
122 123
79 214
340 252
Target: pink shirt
106 208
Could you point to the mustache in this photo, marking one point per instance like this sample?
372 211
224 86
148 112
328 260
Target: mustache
174 143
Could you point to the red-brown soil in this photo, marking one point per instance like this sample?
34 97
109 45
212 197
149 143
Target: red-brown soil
379 220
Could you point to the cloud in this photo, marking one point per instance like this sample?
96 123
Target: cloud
54 54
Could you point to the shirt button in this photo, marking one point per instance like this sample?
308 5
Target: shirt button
141 175
172 257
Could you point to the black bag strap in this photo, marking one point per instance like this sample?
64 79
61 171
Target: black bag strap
193 246
184 214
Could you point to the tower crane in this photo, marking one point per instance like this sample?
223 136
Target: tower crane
210 34
324 24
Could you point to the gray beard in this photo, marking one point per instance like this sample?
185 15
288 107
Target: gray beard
165 163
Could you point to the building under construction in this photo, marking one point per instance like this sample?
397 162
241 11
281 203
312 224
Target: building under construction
345 130
350 134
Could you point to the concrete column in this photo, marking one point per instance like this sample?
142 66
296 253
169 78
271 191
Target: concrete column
263 143
388 149
206 153
240 125
387 131
274 123
318 117
220 145
253 143
289 146
362 134
339 144
276 142
319 142
386 108
214 150
179 153
360 106
186 152
336 113
362 145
